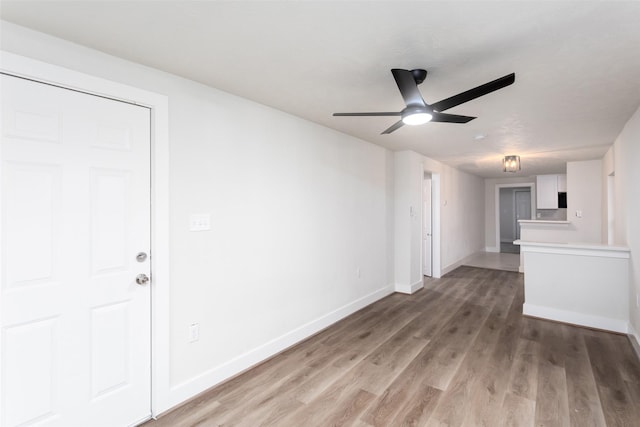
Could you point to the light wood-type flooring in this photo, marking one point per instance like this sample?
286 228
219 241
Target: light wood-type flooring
457 353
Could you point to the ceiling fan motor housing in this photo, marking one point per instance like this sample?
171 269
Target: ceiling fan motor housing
419 75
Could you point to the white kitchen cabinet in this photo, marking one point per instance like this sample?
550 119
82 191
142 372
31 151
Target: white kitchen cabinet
562 183
547 191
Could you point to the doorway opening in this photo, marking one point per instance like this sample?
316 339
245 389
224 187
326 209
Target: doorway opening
514 205
427 226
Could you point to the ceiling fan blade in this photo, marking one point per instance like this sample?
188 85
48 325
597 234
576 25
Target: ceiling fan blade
395 126
474 93
408 87
369 114
450 118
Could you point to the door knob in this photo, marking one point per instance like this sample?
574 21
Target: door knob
142 279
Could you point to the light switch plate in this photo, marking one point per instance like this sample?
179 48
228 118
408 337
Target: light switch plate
194 332
199 222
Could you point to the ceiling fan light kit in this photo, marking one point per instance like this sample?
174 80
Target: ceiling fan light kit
416 116
511 163
419 112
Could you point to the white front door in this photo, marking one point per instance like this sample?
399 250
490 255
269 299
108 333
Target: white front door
426 228
75 323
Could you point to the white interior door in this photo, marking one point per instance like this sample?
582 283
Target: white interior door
426 228
523 208
75 324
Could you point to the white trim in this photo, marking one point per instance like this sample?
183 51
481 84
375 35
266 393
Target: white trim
492 249
436 258
410 289
581 319
532 188
580 249
458 263
543 222
423 262
159 105
212 377
634 338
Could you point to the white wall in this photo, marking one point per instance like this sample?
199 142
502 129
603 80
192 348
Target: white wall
462 216
578 284
296 210
608 168
584 193
462 211
627 210
408 221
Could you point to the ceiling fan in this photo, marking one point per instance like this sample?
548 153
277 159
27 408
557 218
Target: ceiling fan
418 112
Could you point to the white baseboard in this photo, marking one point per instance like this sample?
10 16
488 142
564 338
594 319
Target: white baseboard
581 319
492 249
188 389
410 289
458 263
634 337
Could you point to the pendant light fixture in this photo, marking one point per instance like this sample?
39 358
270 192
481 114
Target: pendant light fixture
511 163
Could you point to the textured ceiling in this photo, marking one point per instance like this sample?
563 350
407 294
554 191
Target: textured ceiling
577 65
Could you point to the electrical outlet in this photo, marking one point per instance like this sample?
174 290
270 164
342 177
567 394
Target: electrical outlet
194 332
638 300
199 222
358 272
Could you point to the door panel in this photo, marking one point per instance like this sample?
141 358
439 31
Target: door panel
75 326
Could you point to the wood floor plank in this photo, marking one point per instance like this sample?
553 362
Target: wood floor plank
602 358
517 411
552 406
451 344
489 388
452 407
418 408
585 408
456 353
626 358
523 380
409 382
349 409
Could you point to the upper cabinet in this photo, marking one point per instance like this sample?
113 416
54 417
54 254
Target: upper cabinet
547 189
562 183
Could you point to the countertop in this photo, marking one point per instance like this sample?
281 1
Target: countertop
542 221
576 248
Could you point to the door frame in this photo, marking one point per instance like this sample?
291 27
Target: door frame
532 188
515 210
28 68
436 270
424 180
